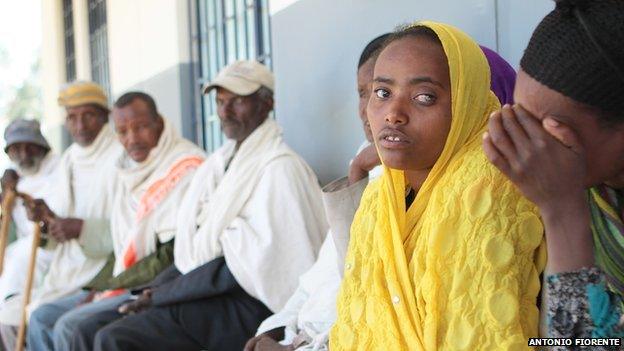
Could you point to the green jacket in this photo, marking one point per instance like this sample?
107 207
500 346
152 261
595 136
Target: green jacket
142 272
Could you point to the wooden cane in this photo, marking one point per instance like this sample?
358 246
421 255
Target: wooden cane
7 209
21 335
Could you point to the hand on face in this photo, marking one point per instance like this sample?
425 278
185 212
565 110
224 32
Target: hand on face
543 159
142 303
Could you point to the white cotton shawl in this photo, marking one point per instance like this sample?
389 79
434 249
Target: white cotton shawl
84 178
215 203
39 186
173 160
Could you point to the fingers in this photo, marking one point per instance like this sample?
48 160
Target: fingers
513 128
251 344
495 157
532 126
500 140
563 133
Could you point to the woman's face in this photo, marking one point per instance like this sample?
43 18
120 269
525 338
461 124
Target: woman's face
410 106
604 145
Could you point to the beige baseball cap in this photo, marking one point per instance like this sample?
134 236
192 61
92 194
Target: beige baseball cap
81 93
243 78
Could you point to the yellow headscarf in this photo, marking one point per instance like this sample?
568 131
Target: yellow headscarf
459 270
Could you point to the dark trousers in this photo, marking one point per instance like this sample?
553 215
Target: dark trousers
219 323
222 320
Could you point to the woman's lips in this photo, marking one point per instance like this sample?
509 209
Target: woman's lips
393 139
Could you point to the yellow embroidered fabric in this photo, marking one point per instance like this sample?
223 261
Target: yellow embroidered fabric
460 269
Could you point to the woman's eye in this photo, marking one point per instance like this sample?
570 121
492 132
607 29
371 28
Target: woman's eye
382 93
426 99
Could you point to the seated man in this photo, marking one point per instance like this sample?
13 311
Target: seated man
250 224
78 213
152 176
31 173
307 317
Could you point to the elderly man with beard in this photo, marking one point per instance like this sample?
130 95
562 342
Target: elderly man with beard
76 215
251 222
152 175
31 172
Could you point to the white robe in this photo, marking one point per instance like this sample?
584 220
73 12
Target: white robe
311 311
165 175
264 215
17 254
81 192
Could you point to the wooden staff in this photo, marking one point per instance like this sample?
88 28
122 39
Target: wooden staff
21 335
7 209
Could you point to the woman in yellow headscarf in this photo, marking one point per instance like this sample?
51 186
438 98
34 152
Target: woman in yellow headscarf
445 254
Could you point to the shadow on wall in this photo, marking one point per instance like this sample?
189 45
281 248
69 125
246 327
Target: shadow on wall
316 45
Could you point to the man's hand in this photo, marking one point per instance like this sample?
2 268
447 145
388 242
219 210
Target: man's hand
142 303
64 229
268 344
363 163
38 211
9 180
272 335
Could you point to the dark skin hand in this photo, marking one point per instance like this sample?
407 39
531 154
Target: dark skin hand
272 335
142 303
9 180
61 229
363 163
545 160
268 344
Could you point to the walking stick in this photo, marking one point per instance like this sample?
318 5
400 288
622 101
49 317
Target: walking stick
7 209
21 335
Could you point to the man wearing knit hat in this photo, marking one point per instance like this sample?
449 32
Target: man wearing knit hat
33 166
251 222
562 142
77 214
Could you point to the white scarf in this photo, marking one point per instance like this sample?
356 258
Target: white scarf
39 186
264 215
159 181
216 199
70 269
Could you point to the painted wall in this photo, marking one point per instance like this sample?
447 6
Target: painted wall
316 45
149 50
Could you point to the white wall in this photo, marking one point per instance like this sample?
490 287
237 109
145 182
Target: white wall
316 45
149 50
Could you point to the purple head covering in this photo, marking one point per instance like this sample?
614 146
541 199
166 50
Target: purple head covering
503 76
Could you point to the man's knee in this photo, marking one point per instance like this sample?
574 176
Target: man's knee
65 325
108 337
43 316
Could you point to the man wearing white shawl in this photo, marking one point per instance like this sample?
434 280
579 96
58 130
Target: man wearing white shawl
306 319
152 175
77 212
250 224
31 172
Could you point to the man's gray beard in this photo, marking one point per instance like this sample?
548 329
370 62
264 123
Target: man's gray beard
29 171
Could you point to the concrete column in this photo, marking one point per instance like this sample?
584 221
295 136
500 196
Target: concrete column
81 39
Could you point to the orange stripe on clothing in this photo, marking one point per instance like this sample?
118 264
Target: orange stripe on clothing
157 191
